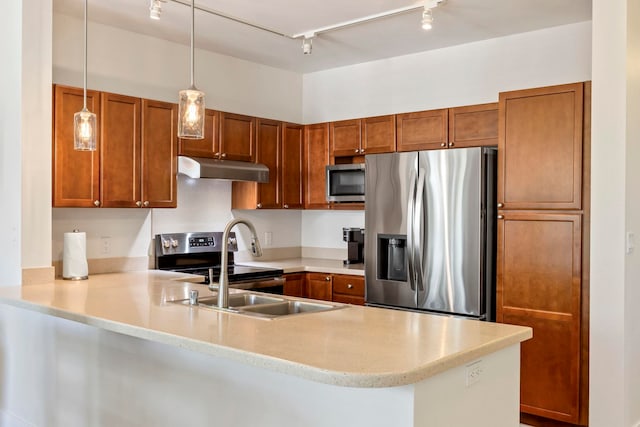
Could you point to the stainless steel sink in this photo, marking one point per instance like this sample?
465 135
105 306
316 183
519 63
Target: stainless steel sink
264 306
240 300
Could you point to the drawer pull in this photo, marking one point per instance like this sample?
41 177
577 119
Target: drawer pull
349 286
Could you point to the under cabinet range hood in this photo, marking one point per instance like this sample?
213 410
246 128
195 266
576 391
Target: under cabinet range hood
201 167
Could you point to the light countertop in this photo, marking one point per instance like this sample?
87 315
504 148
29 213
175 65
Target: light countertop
317 265
354 346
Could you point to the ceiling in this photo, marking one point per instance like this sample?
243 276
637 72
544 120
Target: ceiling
455 22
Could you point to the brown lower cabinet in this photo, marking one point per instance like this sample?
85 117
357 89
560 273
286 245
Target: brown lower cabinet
342 288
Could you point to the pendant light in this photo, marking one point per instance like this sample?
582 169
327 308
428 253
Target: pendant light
84 121
191 103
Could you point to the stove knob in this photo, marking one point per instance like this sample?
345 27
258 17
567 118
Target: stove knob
166 244
174 243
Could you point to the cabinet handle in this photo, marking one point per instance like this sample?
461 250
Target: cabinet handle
349 286
224 155
138 203
357 150
500 205
286 206
362 151
500 216
443 144
328 278
146 204
216 155
96 203
451 144
259 205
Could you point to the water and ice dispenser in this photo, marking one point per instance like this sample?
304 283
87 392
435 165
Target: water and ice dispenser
392 257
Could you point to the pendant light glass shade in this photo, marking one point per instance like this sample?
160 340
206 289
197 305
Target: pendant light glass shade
191 101
84 130
191 114
84 122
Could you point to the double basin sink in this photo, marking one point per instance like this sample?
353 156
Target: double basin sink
265 306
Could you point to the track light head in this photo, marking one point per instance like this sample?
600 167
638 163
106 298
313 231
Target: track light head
155 9
427 19
307 44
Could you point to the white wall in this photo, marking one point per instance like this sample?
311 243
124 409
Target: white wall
10 141
615 343
473 73
322 229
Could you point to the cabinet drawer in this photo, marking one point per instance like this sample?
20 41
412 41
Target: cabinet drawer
349 285
348 299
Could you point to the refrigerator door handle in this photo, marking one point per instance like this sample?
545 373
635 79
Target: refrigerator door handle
418 229
410 225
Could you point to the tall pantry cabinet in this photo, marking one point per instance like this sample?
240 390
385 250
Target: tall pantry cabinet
542 268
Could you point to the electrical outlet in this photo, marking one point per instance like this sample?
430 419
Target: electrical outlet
268 238
474 372
631 242
105 242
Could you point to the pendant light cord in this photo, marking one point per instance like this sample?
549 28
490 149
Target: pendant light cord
192 41
85 55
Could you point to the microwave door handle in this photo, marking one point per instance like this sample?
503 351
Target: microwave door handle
410 225
418 228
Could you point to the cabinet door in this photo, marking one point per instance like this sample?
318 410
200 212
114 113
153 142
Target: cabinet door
538 285
209 146
540 148
76 174
120 151
294 285
319 286
159 158
269 144
292 153
424 130
237 137
316 159
348 289
379 134
345 138
473 126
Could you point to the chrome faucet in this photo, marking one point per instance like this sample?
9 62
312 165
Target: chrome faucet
256 250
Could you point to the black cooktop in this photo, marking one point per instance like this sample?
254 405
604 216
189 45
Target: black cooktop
237 273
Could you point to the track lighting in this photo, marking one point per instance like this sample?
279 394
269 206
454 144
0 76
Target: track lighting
155 9
307 44
427 19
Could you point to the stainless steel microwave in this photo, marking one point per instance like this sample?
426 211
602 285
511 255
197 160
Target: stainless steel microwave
345 183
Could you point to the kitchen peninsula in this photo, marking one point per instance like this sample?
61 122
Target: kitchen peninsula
115 350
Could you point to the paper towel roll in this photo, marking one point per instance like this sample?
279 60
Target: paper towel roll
74 256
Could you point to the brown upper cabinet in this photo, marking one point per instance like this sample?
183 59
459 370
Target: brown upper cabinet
316 158
227 136
279 147
423 130
76 174
358 137
135 161
540 148
473 126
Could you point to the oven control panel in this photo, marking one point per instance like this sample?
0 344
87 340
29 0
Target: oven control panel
188 243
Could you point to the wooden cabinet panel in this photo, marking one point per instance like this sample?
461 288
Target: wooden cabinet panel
424 130
319 286
473 126
269 144
316 158
539 285
348 289
294 285
159 159
76 174
345 138
292 165
209 146
120 151
540 148
237 137
379 134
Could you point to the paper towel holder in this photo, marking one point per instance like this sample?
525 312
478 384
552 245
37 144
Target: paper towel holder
75 276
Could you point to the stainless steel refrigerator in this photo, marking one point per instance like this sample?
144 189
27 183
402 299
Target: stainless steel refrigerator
430 231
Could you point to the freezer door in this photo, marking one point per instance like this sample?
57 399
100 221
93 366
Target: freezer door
389 195
449 222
